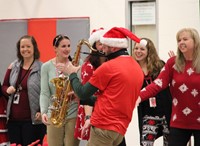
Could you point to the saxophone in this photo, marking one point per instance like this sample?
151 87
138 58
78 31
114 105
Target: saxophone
61 100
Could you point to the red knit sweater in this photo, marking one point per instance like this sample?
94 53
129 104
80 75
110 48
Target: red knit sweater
185 90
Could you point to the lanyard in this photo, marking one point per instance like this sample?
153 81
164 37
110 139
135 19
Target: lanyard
20 73
148 78
152 100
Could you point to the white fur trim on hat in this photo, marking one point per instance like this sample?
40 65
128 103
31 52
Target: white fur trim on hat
143 42
118 37
95 36
115 42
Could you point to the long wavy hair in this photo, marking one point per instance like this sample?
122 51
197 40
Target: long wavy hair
153 62
180 59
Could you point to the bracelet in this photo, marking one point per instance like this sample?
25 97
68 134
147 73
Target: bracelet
87 117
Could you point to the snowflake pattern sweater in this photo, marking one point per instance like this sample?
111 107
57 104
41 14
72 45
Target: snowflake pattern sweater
185 90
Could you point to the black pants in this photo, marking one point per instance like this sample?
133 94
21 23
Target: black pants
24 132
123 143
40 131
180 137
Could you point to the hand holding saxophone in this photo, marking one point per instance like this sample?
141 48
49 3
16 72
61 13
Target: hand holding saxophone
68 68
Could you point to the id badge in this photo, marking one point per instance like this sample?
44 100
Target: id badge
152 102
16 98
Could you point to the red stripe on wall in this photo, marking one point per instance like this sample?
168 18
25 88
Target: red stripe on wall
44 31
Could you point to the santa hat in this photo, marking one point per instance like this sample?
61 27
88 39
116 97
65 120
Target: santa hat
95 35
118 37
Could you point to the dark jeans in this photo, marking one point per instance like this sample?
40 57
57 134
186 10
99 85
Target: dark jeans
180 137
24 132
40 131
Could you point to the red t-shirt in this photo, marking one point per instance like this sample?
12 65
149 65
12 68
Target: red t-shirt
185 91
119 81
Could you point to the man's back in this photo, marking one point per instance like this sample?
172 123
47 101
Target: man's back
119 85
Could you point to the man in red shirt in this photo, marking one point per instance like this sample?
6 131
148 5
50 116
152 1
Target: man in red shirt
118 80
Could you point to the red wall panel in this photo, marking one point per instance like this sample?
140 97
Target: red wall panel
44 30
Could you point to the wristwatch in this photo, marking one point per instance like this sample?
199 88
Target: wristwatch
87 117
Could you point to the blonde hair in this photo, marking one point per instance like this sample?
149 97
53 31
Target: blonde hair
180 60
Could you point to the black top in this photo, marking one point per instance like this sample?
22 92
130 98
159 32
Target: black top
163 105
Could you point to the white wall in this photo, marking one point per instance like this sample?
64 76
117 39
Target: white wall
106 13
171 16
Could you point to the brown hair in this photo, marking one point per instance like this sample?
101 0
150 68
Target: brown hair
35 47
154 64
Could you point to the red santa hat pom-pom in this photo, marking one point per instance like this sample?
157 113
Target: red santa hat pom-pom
118 37
95 35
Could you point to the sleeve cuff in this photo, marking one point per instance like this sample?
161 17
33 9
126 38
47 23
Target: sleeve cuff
73 76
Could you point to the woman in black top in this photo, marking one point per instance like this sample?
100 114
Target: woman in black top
153 114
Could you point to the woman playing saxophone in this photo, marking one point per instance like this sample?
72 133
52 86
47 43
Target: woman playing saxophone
63 135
